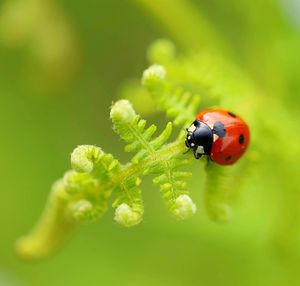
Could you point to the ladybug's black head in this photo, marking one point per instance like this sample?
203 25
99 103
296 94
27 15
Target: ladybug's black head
199 138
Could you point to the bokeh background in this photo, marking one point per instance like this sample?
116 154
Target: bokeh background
62 63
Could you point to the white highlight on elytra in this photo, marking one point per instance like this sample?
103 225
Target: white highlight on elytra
215 137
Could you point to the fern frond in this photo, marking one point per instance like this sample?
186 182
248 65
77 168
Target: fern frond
129 204
86 210
179 104
174 192
131 129
91 159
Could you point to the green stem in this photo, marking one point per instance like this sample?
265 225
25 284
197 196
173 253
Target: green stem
56 223
216 192
171 150
53 228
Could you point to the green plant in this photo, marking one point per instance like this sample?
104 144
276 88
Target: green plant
82 195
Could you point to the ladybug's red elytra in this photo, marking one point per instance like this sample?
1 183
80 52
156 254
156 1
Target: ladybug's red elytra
219 134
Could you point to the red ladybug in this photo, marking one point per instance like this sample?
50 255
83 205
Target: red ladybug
220 134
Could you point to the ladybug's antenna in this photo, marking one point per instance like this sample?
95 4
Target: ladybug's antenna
187 150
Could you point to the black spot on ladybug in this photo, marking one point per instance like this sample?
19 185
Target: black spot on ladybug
219 129
231 114
228 158
241 139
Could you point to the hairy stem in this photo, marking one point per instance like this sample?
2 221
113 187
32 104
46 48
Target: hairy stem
171 150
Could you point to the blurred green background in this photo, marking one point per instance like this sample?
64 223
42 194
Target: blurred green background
62 63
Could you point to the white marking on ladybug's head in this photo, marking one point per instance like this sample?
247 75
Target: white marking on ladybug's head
192 128
189 137
192 144
200 150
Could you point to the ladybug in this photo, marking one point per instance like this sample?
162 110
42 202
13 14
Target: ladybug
219 134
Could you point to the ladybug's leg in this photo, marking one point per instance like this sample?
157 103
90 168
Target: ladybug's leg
198 152
197 155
